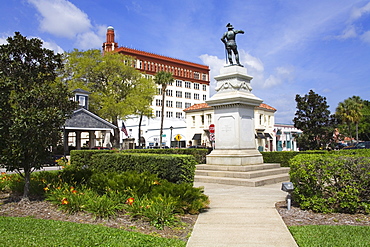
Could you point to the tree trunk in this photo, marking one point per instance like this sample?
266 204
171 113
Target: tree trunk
27 183
139 135
116 139
162 115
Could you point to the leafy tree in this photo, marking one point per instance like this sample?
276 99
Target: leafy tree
364 124
313 118
33 105
117 88
349 112
163 78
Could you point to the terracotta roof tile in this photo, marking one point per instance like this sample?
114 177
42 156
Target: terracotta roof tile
198 107
262 105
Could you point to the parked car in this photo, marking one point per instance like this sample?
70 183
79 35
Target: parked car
340 146
360 145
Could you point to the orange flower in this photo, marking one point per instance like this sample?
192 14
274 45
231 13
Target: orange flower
156 182
3 173
46 188
64 201
130 201
74 191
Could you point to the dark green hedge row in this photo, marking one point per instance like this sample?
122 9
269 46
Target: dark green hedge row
174 168
199 154
331 183
283 157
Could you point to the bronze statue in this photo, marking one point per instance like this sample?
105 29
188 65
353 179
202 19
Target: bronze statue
230 45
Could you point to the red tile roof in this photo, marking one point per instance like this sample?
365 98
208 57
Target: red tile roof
262 105
198 107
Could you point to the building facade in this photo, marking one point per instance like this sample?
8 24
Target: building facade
191 86
200 116
286 137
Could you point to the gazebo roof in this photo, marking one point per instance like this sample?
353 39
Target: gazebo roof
84 120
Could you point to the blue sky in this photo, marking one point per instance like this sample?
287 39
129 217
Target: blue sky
289 46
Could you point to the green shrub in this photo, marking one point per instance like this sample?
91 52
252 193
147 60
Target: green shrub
331 183
283 157
198 153
174 168
158 210
82 158
144 195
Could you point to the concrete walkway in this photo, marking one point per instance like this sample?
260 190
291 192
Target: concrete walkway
241 216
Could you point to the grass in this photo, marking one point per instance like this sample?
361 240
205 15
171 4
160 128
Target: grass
27 231
329 235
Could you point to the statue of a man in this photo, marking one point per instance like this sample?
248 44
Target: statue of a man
229 40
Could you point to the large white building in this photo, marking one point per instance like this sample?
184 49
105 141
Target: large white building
191 86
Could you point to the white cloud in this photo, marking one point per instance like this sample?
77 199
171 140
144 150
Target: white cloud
249 61
359 12
3 41
215 64
52 46
349 32
61 18
366 37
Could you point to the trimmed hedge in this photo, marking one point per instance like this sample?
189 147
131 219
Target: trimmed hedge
199 154
283 157
331 183
174 168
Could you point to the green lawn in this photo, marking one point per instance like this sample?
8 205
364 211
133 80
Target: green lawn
26 231
328 235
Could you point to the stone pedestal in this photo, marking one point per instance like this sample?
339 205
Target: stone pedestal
234 119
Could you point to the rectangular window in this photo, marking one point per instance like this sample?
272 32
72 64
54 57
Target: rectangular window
187 95
196 86
187 84
178 114
168 103
169 114
178 94
159 91
204 97
178 104
178 83
158 113
169 92
158 102
196 96
196 75
193 120
204 77
209 118
204 87
187 105
202 119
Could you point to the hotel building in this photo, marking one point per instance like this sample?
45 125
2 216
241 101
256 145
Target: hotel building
191 86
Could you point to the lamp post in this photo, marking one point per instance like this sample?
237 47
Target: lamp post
171 128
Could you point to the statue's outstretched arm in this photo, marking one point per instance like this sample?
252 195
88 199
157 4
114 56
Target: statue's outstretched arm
239 31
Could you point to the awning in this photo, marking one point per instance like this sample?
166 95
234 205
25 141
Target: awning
267 135
261 135
197 137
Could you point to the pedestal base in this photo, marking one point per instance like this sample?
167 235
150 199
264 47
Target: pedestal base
232 157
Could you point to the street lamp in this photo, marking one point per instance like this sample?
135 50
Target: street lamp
171 128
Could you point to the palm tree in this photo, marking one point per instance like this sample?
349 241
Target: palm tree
349 112
163 78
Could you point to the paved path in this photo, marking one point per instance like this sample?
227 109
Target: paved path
241 216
